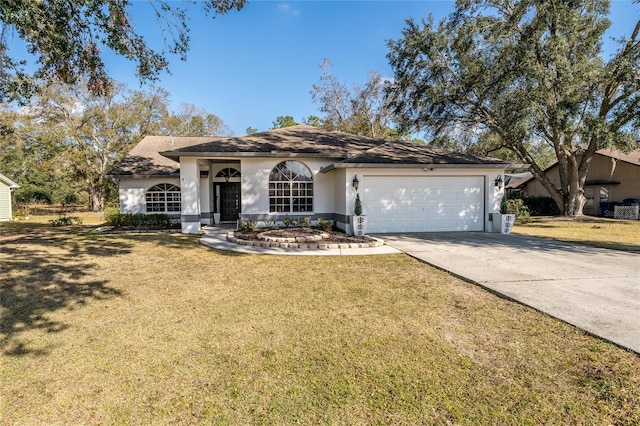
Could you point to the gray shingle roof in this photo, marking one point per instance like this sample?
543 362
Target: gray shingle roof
398 152
298 140
145 158
158 155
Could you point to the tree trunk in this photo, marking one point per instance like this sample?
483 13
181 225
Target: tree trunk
96 198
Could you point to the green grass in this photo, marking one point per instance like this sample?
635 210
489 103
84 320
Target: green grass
158 329
597 232
42 221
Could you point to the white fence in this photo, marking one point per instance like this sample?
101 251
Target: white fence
627 212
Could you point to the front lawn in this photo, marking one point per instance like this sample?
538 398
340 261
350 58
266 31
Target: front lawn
159 329
594 231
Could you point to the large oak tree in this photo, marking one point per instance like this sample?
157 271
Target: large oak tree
523 72
68 38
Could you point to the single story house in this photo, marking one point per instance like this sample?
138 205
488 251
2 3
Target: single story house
308 171
7 186
612 176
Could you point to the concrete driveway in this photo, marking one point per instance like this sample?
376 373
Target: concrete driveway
597 290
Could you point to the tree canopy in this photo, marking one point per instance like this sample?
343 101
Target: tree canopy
522 73
361 110
65 140
283 121
68 39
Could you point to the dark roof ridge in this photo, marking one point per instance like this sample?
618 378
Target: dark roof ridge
405 152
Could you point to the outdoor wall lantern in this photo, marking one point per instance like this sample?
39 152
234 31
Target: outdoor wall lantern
355 182
499 181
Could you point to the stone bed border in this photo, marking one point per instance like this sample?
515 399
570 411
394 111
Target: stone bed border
318 236
308 243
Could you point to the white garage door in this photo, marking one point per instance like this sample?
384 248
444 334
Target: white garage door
424 204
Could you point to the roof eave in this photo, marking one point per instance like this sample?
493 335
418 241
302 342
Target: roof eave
143 176
425 166
11 184
175 155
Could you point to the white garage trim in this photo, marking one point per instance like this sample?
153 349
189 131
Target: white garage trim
424 203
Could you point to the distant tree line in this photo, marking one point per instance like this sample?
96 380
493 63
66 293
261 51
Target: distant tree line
60 145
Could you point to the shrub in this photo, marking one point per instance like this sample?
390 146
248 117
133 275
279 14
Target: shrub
271 224
32 194
357 209
517 207
70 198
304 222
247 225
66 221
503 205
109 213
158 221
288 222
138 220
324 224
540 205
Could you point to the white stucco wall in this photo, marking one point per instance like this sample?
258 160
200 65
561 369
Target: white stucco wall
340 189
190 195
333 191
255 188
205 200
131 192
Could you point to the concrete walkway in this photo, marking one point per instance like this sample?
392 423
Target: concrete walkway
597 290
216 237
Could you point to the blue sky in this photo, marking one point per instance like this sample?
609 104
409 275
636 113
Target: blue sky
252 65
249 67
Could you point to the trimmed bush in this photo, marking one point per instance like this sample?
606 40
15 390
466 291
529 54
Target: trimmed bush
539 205
139 220
357 209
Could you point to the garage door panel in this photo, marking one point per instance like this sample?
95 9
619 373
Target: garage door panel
417 204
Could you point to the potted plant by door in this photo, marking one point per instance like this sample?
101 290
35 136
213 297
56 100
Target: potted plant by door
358 220
503 221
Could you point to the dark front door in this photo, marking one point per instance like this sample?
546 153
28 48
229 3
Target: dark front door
230 194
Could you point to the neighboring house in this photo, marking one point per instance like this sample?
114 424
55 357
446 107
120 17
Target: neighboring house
612 176
308 171
512 182
7 186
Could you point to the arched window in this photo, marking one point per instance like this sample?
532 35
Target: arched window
163 198
227 173
290 188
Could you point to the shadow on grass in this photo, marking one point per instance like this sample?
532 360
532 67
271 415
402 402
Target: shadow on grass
44 271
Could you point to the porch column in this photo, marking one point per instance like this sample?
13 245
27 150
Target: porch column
190 190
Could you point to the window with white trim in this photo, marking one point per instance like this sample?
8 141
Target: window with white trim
227 173
290 188
163 198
